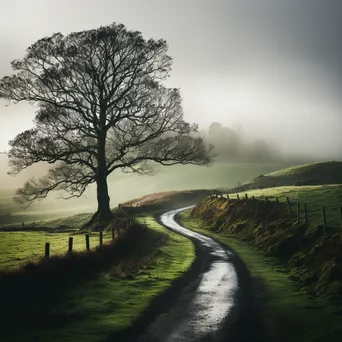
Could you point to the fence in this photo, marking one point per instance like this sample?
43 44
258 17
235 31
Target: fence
313 214
77 242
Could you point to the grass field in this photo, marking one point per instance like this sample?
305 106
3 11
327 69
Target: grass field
124 187
114 300
311 174
315 197
18 248
290 313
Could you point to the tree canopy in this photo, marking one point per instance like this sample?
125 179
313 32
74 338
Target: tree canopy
100 106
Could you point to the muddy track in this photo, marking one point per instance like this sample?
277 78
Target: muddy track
213 301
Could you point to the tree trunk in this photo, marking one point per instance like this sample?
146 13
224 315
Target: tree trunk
103 209
103 214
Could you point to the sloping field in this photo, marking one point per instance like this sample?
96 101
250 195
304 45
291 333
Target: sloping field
168 199
124 187
315 197
20 247
310 174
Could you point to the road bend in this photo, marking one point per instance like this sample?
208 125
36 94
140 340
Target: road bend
202 311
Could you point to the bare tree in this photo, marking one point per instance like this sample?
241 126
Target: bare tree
101 106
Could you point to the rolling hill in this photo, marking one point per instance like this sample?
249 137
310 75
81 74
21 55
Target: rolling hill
319 173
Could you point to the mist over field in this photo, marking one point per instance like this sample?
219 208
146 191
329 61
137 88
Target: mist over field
266 73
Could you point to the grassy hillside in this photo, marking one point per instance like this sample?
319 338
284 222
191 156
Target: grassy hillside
93 303
18 247
312 174
314 197
163 201
116 297
124 187
289 312
312 256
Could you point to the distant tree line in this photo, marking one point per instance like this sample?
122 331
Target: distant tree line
233 145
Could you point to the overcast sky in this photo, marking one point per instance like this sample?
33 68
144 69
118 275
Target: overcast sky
272 66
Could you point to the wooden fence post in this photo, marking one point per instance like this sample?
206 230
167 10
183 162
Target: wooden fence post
277 199
246 196
298 212
324 219
289 206
87 242
306 214
113 233
253 197
238 197
47 250
227 196
101 238
71 240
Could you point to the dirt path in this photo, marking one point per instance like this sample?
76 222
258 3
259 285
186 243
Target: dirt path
216 305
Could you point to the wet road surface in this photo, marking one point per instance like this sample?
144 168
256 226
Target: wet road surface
202 310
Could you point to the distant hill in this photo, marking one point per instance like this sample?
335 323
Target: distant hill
308 174
168 199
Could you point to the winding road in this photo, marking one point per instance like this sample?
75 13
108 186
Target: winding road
202 310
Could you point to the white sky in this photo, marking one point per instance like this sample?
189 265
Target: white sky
273 66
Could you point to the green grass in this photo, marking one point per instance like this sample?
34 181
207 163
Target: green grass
315 197
322 172
113 301
124 187
317 170
290 313
18 248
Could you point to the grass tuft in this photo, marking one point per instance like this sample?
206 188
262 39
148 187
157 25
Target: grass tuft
290 313
91 296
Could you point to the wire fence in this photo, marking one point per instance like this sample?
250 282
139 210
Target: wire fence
312 214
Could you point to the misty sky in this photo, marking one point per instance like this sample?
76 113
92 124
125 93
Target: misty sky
271 66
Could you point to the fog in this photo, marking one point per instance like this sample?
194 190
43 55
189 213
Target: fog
271 68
